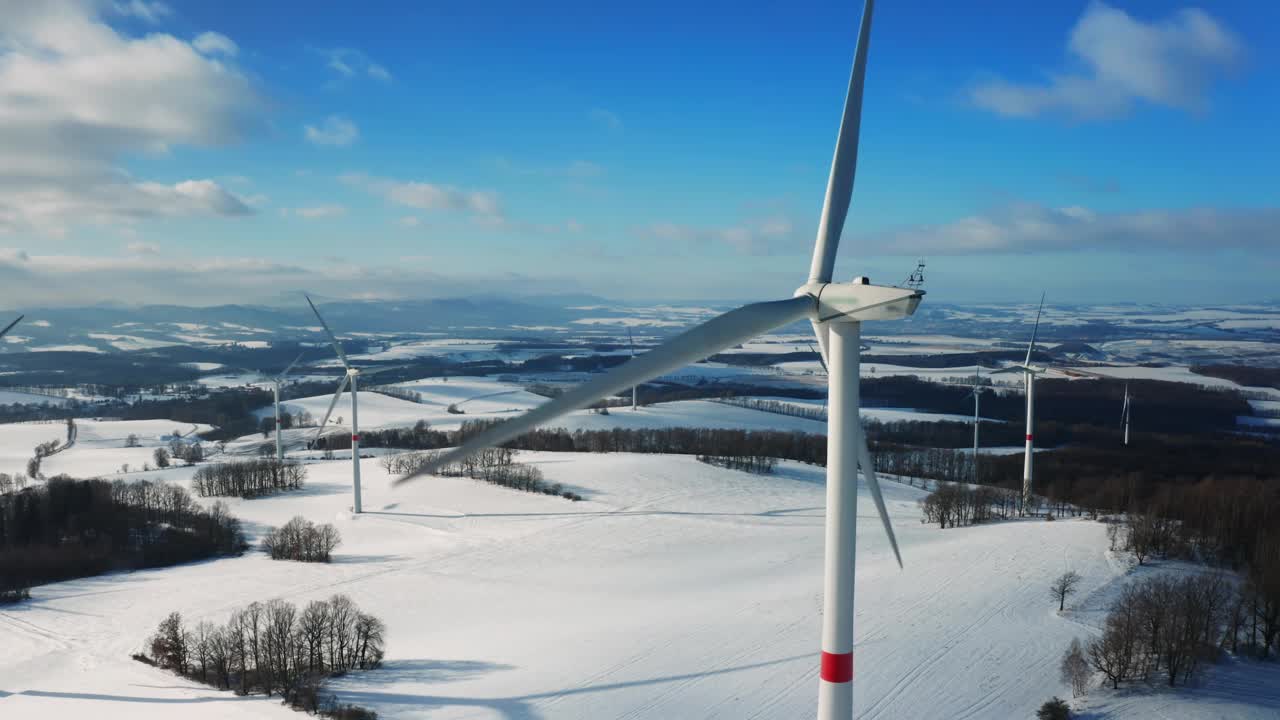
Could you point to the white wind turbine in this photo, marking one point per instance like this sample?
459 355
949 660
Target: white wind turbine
632 341
1124 413
837 311
977 399
348 378
276 382
1029 373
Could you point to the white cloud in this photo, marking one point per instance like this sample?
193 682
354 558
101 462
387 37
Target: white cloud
352 63
72 280
320 211
151 12
142 248
1123 61
1028 228
76 97
752 236
607 118
429 196
575 170
212 43
410 221
335 130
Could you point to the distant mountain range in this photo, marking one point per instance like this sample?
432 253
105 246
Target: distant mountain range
116 328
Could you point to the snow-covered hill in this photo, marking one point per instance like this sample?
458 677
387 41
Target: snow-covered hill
675 590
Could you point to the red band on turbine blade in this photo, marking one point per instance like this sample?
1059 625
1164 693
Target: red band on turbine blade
356 438
837 667
1029 438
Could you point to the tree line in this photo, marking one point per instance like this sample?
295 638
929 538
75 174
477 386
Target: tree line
274 648
248 478
1167 628
1256 602
956 505
67 528
755 464
492 465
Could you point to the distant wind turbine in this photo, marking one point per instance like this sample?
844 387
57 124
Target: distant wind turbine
1029 373
837 311
632 341
977 397
276 382
1124 413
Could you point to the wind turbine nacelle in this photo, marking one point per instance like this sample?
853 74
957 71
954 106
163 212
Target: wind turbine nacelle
859 301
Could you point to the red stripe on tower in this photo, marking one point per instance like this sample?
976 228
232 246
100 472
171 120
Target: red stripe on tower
1028 438
837 667
356 438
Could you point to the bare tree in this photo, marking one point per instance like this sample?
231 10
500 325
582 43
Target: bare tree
1063 586
1075 669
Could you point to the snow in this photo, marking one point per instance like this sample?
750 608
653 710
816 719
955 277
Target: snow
1177 373
131 342
485 401
675 590
11 397
66 348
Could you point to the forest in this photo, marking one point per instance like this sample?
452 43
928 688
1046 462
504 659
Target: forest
67 528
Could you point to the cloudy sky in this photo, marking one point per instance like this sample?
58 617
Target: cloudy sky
235 151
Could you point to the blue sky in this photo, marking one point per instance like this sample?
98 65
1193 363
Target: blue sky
239 150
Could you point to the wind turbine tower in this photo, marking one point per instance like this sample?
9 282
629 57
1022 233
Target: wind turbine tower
276 382
349 378
1125 413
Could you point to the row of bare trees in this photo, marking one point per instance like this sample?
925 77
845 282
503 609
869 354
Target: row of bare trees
956 505
777 407
757 464
302 540
248 478
273 648
492 465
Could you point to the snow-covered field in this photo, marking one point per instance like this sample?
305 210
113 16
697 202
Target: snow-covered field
10 397
676 590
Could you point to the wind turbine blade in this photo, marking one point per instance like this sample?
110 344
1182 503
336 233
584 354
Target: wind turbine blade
822 331
632 341
290 367
690 346
337 346
821 361
1035 330
844 163
873 484
325 422
9 327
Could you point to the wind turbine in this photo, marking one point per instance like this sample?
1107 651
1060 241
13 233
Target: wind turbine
348 378
837 311
275 395
1029 373
977 398
1124 414
632 341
